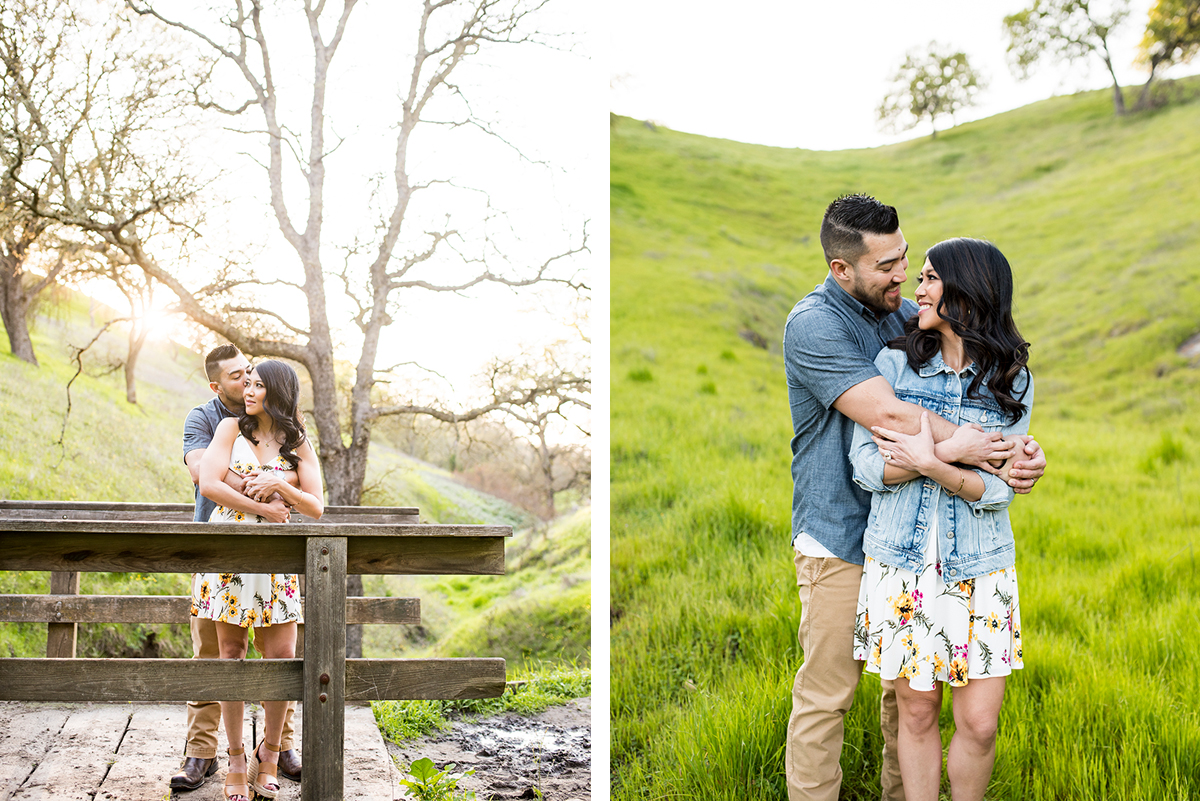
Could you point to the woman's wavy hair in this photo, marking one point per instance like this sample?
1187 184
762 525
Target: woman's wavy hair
977 290
282 402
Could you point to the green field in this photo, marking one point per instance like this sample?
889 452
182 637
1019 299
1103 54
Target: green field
712 243
112 451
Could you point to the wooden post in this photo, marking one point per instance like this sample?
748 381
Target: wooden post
324 669
60 637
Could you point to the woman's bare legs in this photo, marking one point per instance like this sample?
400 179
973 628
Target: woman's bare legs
231 641
973 747
919 748
274 642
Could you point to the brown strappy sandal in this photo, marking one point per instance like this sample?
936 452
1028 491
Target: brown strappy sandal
265 770
234 780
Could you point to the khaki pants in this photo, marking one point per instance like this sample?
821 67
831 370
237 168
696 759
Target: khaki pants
825 683
204 717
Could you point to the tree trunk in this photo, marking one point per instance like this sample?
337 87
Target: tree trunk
13 311
1143 101
1118 98
137 338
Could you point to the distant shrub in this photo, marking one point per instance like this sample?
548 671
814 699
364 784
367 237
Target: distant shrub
708 388
728 356
702 369
641 375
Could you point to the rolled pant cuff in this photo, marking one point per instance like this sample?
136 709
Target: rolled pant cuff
200 752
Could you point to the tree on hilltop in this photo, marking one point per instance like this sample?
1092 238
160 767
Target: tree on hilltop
1065 30
1172 37
929 85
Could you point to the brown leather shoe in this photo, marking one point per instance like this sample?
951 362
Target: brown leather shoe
289 764
195 771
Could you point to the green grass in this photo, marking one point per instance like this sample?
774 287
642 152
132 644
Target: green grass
712 243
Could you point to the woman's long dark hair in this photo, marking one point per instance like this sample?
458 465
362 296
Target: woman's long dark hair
282 402
976 300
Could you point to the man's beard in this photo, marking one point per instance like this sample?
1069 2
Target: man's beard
877 302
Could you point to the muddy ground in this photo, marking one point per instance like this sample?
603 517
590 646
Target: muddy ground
512 755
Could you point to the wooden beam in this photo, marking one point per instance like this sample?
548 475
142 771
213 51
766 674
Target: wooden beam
122 680
60 636
423 679
211 548
183 512
324 669
176 609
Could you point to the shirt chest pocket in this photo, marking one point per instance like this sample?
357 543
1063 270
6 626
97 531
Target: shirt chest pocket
988 418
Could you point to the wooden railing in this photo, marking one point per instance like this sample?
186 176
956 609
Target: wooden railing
69 538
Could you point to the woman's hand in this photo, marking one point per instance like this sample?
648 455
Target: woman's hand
261 485
971 445
908 452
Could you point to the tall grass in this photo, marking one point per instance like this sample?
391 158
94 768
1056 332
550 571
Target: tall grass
713 242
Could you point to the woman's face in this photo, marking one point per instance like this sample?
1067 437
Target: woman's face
928 293
254 394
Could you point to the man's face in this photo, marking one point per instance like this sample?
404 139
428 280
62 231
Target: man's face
230 384
876 278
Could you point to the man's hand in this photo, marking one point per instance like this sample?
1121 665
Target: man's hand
277 511
236 481
1023 474
971 445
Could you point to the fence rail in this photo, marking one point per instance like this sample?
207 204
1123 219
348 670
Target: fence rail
69 538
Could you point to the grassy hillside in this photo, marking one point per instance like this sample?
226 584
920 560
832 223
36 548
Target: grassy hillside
712 243
113 451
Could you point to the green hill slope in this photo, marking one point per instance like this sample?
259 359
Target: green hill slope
712 243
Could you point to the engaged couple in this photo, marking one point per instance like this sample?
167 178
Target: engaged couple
910 437
251 462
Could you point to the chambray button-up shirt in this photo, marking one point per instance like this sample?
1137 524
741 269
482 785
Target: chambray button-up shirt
976 536
830 342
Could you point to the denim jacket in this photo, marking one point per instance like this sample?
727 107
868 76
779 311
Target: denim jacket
975 537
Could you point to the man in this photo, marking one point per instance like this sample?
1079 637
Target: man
226 369
831 339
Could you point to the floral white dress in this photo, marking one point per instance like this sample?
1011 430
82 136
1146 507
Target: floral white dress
918 627
246 599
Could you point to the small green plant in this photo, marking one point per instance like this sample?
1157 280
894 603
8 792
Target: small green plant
641 375
430 784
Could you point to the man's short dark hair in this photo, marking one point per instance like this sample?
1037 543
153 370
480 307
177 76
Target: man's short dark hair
212 362
847 219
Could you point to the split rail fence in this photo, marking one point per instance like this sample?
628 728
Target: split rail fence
69 538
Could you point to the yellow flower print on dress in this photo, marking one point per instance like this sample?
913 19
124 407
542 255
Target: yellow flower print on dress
958 671
992 622
903 607
910 647
909 670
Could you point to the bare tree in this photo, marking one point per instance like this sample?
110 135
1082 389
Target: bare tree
31 39
1066 30
930 84
447 34
1172 37
90 153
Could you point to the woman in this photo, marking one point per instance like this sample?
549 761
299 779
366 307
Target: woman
938 602
266 440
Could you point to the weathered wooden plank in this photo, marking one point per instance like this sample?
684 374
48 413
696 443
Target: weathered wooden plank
81 755
426 556
123 680
403 552
26 736
423 679
60 636
148 754
324 669
90 510
137 528
171 609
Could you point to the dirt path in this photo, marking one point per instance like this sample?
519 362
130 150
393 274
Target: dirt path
511 755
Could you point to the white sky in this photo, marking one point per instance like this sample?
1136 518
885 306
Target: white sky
792 73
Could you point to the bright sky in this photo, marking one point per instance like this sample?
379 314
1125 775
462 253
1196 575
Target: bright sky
810 75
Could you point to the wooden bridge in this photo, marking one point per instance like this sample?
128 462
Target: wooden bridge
69 538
